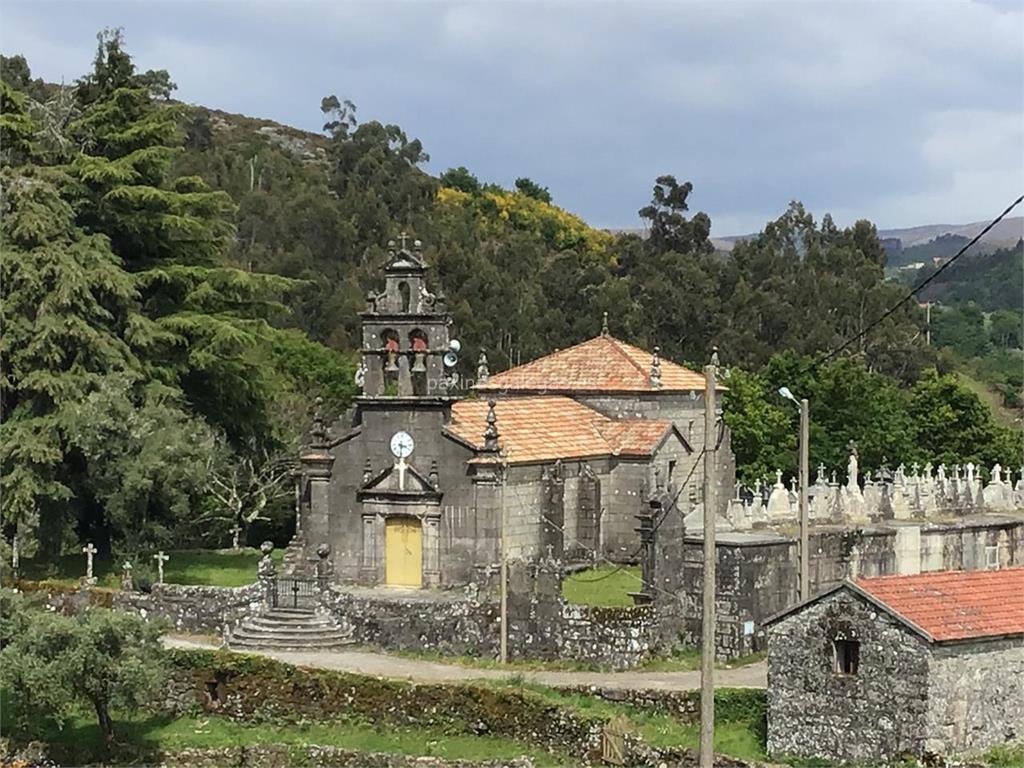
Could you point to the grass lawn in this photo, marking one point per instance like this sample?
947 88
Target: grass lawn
213 567
144 738
606 586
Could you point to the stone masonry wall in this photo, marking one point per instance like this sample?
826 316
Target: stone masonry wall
877 714
198 609
975 696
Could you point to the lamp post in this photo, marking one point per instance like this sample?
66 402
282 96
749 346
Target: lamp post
805 472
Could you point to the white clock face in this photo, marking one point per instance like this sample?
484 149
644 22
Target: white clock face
402 445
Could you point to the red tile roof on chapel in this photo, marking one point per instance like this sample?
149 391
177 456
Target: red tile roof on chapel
602 364
535 429
955 605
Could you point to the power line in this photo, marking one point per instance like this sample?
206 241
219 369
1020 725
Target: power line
921 286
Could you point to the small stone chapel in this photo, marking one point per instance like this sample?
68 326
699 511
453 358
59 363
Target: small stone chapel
414 485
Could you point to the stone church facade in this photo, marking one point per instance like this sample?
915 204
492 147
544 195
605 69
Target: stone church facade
415 484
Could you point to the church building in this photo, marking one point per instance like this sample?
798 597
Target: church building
418 482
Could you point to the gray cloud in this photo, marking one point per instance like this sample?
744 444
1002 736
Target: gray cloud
905 113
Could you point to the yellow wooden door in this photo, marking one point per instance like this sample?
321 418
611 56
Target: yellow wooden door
403 552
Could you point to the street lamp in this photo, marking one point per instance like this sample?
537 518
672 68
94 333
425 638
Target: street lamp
805 471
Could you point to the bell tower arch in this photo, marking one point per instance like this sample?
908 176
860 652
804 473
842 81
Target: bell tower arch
404 329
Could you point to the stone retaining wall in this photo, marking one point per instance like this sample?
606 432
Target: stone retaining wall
194 609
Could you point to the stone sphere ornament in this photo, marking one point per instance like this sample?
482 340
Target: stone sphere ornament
267 547
323 551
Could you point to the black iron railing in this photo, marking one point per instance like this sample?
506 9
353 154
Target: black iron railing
292 592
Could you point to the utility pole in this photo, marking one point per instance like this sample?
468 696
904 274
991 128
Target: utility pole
707 658
928 323
504 564
805 478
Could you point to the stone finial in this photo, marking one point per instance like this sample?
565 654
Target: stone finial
604 325
360 374
433 477
491 433
483 373
367 471
714 356
319 431
656 368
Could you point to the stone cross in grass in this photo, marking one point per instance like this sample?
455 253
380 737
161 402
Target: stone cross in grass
127 583
160 558
89 550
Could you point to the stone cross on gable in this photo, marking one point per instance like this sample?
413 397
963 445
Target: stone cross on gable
89 550
160 558
403 237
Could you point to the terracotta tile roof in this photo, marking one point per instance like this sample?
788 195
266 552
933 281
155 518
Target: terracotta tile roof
634 437
955 605
602 364
546 428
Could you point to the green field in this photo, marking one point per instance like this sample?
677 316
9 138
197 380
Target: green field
143 739
607 586
212 567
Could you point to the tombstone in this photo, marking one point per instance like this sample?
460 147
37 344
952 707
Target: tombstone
127 583
779 503
160 558
89 550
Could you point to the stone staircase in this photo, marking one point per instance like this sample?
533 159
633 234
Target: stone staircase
288 629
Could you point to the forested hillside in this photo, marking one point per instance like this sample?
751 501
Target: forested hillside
179 284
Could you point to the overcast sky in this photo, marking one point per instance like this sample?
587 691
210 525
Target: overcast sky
904 113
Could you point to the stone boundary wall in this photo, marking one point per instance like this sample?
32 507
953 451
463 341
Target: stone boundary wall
617 637
453 624
194 609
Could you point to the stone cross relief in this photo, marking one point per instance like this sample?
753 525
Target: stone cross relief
160 558
89 550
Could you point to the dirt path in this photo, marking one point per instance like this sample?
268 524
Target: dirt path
420 670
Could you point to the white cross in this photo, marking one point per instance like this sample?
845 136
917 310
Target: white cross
89 551
160 558
403 237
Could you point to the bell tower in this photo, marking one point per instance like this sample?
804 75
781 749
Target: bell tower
405 330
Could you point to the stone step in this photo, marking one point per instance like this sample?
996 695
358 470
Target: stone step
264 645
243 635
300 613
262 625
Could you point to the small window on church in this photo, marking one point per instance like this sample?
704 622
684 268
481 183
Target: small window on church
847 656
992 557
403 290
671 469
